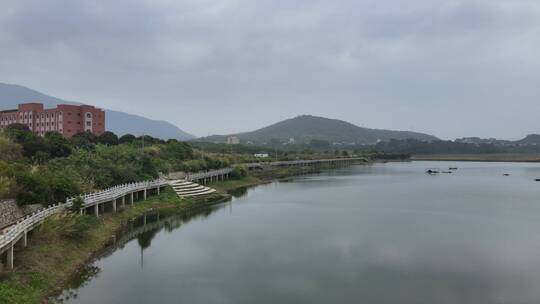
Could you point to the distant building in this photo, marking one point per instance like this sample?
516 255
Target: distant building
233 140
261 155
67 120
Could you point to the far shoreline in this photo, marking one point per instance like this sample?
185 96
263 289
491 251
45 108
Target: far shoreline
492 157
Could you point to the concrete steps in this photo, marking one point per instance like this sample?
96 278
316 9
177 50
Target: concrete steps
185 188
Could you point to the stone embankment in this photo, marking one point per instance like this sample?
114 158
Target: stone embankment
10 212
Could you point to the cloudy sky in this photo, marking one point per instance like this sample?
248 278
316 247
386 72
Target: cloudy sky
451 68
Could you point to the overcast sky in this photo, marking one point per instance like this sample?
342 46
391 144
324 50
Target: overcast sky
451 68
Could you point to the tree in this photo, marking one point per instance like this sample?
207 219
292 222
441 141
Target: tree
108 138
57 144
319 144
6 185
9 151
84 140
239 172
177 150
32 144
31 188
19 127
125 139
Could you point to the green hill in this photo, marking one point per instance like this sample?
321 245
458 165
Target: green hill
531 139
306 128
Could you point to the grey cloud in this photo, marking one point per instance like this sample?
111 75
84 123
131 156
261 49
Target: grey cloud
451 68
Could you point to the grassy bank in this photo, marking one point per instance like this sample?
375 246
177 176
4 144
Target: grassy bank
260 177
490 157
66 242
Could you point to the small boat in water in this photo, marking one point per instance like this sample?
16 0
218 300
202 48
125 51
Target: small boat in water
506 174
538 179
452 168
433 171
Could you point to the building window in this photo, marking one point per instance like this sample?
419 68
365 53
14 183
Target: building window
88 123
88 115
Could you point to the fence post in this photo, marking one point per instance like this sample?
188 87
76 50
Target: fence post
10 257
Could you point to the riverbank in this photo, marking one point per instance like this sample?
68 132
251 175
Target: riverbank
66 242
43 270
260 177
495 157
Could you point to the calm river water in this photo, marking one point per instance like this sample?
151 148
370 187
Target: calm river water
384 233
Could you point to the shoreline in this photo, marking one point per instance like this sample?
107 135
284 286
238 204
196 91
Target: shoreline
46 272
498 157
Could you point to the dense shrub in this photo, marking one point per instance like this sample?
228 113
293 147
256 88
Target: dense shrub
108 138
239 172
126 139
49 169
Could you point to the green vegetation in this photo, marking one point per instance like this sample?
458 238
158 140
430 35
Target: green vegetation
49 169
416 147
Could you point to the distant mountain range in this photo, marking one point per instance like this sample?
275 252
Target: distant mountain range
118 122
303 129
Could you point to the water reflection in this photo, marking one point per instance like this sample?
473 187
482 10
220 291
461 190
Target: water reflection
143 229
78 281
386 233
239 192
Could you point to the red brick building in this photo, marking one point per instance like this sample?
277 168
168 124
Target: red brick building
67 120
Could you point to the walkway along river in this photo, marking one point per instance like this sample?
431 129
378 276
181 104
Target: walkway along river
115 196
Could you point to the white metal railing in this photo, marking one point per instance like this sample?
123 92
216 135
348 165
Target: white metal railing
27 223
116 192
207 174
213 173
